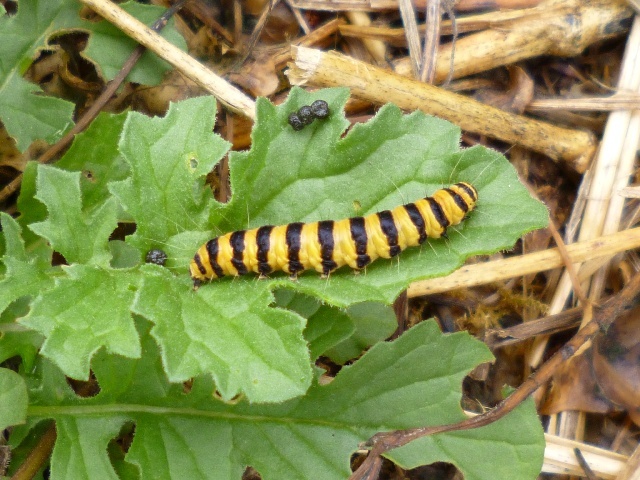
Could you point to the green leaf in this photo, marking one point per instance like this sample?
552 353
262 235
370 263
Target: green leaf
109 47
314 174
25 275
372 323
338 333
13 399
16 340
80 237
326 328
520 435
31 209
246 346
169 157
23 35
192 435
87 310
74 457
21 103
99 162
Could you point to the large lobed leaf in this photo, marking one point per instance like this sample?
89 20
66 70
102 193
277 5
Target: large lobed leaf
192 435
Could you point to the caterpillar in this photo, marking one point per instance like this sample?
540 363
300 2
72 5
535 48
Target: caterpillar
308 113
328 245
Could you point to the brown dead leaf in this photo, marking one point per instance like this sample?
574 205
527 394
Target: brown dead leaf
574 387
281 25
517 96
606 377
616 363
259 77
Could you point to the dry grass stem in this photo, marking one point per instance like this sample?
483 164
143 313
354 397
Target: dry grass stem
321 36
499 270
411 34
381 86
618 101
431 41
611 171
502 337
555 27
559 458
229 95
376 48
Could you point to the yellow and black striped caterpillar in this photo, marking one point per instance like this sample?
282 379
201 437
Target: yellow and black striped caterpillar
328 245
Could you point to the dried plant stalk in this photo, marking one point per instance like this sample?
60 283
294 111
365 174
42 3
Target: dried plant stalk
483 273
229 95
555 27
381 86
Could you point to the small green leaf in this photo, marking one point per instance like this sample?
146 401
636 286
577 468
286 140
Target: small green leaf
31 209
22 103
81 445
519 457
326 328
80 237
109 47
99 162
24 275
13 399
16 340
372 322
169 158
246 346
84 312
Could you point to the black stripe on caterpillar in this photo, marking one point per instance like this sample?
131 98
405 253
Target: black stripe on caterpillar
328 245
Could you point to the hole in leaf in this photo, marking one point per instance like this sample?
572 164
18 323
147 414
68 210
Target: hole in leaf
11 7
58 259
88 174
251 473
119 446
83 389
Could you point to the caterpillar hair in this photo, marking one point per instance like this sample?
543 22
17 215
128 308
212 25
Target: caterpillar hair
328 245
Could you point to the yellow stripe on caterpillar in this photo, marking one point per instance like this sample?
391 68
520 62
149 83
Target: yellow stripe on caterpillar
328 245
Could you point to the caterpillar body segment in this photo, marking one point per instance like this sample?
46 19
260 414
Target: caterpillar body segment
328 245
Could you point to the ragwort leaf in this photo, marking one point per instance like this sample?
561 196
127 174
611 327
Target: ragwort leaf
13 399
22 103
100 163
169 158
88 309
81 237
191 433
247 346
25 275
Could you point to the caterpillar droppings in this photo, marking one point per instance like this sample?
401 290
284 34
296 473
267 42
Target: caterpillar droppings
328 245
157 256
307 114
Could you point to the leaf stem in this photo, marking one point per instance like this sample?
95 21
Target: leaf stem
38 456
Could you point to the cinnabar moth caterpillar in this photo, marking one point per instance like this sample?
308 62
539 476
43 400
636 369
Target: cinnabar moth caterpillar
328 245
